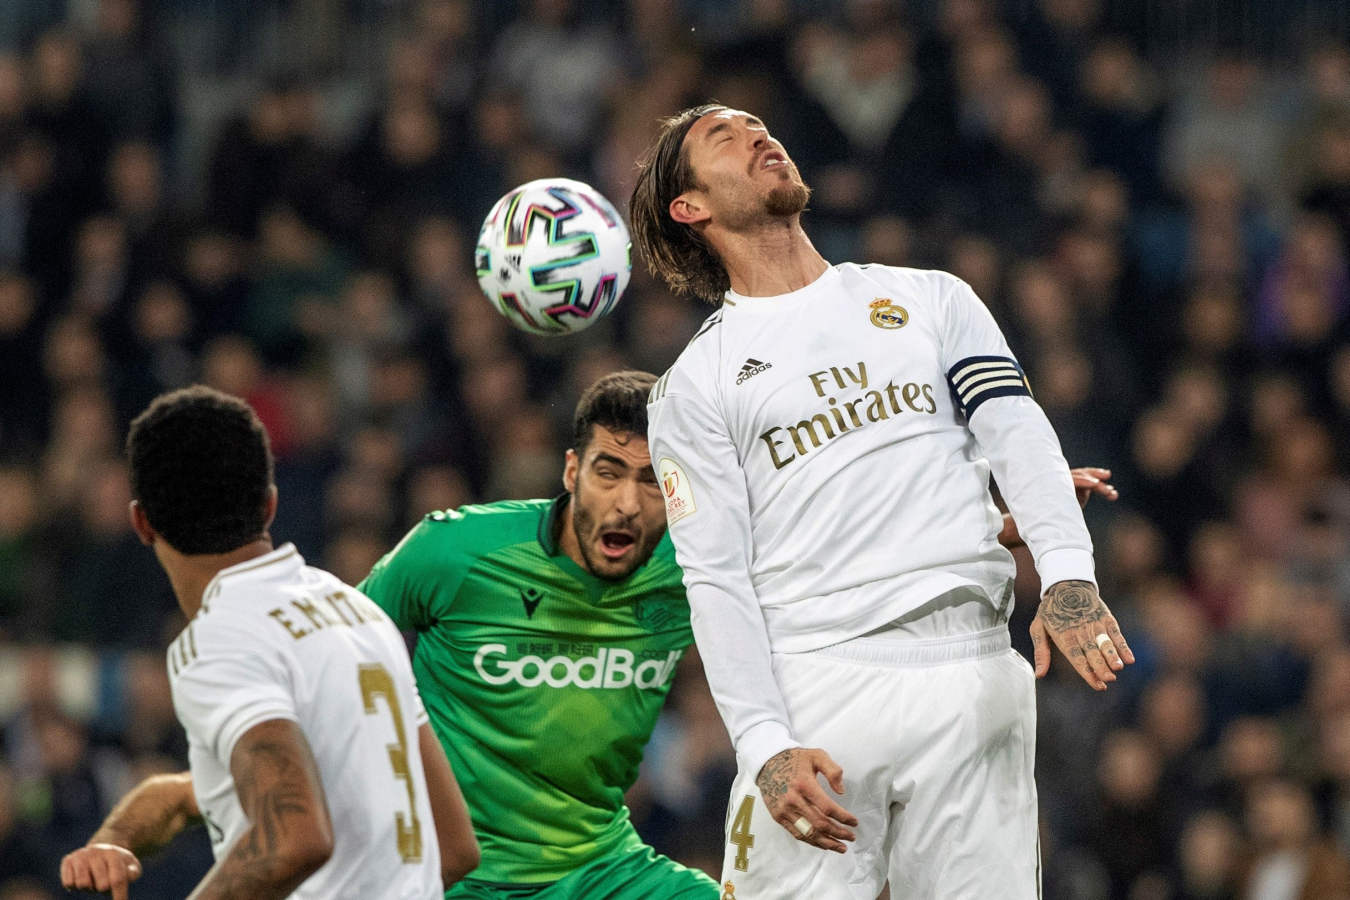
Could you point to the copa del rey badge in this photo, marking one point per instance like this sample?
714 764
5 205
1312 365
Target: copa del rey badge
677 490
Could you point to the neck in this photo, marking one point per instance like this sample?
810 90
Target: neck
776 258
189 574
567 536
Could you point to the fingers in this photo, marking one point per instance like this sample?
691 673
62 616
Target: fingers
1118 639
1078 655
1040 646
1097 664
98 866
1089 481
94 869
822 830
1107 647
75 872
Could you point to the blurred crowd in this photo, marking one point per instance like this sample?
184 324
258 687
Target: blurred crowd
279 198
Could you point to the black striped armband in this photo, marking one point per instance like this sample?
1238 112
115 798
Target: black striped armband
976 379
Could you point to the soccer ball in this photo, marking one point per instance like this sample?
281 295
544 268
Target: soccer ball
553 256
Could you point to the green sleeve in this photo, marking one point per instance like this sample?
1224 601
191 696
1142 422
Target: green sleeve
415 581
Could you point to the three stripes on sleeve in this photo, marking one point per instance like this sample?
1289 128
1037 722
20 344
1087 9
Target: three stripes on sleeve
976 379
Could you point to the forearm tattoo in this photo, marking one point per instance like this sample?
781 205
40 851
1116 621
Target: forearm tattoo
271 788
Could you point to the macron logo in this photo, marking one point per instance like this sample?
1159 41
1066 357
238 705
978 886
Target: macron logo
752 368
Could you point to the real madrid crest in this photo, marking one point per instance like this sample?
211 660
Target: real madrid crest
886 314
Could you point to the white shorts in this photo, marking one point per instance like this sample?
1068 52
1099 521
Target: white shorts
937 740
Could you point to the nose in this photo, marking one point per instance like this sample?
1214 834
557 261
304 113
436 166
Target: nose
626 498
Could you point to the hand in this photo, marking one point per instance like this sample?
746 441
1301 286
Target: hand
1077 620
791 792
100 867
1088 481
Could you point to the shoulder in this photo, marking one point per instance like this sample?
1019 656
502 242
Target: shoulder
479 528
662 566
698 356
230 630
899 277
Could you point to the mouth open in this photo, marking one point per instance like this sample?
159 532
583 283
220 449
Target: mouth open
772 159
614 544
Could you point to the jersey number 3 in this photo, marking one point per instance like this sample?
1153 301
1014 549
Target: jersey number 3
375 682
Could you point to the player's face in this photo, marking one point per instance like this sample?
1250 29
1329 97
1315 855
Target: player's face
746 176
617 510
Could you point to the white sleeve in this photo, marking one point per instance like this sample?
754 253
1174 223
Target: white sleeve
1017 439
235 681
709 516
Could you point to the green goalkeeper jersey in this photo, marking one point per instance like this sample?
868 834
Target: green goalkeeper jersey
542 681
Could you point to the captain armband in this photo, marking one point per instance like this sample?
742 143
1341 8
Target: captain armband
976 379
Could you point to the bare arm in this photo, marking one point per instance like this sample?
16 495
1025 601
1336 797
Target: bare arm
454 830
291 834
147 818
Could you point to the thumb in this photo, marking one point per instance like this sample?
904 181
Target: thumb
1041 646
832 771
134 870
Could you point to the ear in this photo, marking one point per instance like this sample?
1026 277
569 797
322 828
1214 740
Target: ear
687 209
571 467
269 506
140 524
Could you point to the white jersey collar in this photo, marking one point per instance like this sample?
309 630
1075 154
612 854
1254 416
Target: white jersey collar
826 282
279 563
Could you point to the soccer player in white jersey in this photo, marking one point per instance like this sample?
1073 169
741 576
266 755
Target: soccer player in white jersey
313 767
825 445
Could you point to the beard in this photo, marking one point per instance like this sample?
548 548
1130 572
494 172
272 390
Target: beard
588 531
787 199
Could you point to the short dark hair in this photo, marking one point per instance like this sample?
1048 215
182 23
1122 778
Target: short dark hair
201 466
618 401
676 253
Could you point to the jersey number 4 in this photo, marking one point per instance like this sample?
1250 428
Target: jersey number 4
375 682
740 834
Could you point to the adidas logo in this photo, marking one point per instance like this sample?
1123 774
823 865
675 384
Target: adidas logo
752 368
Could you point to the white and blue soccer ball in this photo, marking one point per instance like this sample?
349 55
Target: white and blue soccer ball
553 256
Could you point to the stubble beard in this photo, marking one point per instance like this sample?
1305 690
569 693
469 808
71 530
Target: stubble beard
787 199
587 530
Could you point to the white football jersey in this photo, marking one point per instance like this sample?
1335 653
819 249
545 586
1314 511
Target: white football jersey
826 455
277 639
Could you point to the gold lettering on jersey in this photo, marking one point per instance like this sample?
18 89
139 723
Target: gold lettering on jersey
344 612
818 379
840 416
339 601
280 615
332 600
315 615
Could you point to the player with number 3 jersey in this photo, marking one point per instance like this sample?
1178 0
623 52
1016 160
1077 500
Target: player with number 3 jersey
313 767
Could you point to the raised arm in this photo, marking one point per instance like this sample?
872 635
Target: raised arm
148 817
454 830
291 835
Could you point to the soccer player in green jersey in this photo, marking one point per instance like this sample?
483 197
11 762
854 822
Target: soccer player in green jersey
548 634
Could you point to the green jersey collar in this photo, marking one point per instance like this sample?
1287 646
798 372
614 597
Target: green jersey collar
551 523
